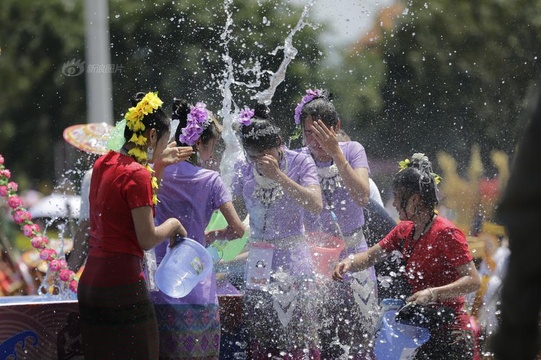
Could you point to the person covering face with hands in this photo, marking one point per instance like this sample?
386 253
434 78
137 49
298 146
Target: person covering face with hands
342 168
277 186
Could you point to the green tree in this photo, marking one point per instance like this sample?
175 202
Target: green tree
454 73
174 47
38 101
178 47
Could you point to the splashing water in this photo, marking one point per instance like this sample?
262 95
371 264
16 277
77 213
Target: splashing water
229 111
265 97
233 151
232 147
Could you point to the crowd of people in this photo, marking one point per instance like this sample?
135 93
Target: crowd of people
152 190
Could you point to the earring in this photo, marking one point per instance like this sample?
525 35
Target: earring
150 153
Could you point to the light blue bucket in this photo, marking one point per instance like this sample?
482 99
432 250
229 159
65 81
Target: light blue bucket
184 266
397 341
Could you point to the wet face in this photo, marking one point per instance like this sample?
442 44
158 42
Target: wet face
405 206
310 140
253 155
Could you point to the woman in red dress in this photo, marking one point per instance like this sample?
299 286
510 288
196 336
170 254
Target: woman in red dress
117 316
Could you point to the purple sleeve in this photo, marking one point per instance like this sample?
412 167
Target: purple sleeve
308 172
221 194
356 155
236 183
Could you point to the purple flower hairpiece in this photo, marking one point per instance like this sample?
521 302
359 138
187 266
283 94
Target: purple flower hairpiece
195 124
245 116
310 95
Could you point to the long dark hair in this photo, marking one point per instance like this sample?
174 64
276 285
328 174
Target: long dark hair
321 108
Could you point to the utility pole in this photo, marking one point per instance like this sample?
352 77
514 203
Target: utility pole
99 88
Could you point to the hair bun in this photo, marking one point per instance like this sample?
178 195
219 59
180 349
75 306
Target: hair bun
327 95
136 98
261 111
181 109
420 162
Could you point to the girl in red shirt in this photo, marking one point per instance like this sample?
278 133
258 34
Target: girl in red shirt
117 316
438 265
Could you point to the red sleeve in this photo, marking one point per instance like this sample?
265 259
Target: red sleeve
138 189
395 239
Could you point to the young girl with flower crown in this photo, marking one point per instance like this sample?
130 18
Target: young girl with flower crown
277 186
117 317
348 310
435 255
189 327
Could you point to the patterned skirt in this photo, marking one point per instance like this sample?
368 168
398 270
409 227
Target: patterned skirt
281 319
188 331
349 312
117 316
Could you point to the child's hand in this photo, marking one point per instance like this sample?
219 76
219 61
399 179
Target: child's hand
341 268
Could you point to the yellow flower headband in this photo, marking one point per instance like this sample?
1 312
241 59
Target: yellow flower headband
407 163
134 122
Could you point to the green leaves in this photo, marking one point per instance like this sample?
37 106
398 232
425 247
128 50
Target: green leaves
445 75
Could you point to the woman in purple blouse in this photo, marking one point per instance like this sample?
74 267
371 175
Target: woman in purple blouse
349 309
189 327
277 186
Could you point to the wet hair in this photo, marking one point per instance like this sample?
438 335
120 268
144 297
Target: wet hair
181 109
261 134
321 108
156 120
417 178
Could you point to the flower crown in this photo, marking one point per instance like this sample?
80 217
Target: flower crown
418 157
134 121
197 120
310 95
245 116
39 241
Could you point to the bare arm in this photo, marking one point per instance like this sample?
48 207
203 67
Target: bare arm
234 229
149 235
467 283
171 155
355 180
359 261
308 197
